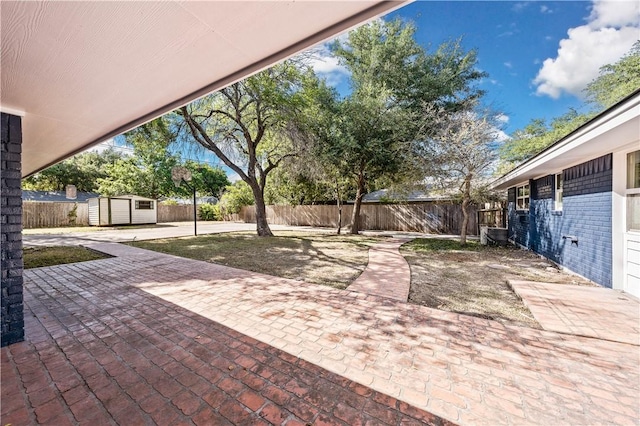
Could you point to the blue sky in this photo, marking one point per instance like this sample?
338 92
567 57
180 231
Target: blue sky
513 41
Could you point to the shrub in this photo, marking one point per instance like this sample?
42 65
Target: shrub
209 212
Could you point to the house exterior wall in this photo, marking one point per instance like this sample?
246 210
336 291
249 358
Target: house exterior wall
586 214
518 221
12 318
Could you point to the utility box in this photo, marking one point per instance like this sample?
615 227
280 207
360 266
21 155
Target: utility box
497 236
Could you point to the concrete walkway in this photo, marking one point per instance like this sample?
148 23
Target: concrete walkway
387 273
464 369
582 311
57 236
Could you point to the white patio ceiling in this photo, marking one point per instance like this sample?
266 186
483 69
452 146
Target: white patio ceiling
82 72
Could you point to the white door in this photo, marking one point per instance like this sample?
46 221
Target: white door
632 234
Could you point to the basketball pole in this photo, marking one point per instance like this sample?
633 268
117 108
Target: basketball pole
195 208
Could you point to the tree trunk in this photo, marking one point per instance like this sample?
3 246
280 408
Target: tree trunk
261 212
339 207
466 199
355 218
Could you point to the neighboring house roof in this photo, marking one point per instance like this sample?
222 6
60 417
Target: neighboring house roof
80 73
56 196
133 197
386 195
612 130
199 200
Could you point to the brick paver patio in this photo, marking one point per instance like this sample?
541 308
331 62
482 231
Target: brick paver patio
387 273
101 352
467 370
582 311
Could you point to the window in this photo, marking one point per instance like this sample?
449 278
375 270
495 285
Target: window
144 205
633 191
522 197
633 170
558 193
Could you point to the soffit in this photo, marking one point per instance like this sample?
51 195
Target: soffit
81 72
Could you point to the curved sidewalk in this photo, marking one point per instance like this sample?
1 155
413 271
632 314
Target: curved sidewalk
387 274
464 369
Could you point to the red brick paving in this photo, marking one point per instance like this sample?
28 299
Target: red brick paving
101 352
387 273
464 369
582 311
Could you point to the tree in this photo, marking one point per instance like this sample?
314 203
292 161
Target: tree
82 170
536 136
207 180
235 197
148 171
460 152
616 80
392 77
252 125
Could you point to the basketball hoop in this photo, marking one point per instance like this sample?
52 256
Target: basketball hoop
179 174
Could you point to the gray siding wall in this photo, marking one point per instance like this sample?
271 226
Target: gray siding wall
12 312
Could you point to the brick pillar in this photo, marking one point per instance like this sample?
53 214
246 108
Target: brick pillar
12 317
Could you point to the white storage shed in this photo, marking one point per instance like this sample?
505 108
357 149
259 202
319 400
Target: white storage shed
122 210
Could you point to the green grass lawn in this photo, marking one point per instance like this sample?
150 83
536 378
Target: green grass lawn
71 229
37 257
320 258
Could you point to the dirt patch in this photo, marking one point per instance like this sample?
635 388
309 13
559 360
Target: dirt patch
322 258
473 279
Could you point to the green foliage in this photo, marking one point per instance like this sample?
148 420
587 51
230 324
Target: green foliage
73 215
537 136
614 83
370 135
207 180
148 171
616 80
170 202
210 212
235 197
441 245
38 257
82 170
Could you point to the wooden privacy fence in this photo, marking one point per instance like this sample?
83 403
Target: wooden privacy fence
39 214
180 213
436 218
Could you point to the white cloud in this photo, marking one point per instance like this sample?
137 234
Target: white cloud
614 14
327 65
508 65
502 118
611 30
519 7
545 9
233 177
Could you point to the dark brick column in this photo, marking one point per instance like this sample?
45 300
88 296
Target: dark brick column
11 230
